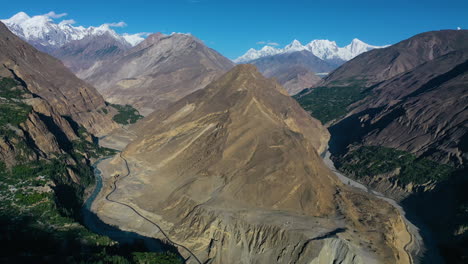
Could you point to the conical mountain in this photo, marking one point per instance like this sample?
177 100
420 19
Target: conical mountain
158 71
233 173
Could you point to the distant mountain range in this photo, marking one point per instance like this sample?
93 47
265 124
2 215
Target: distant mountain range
80 48
324 49
44 34
296 66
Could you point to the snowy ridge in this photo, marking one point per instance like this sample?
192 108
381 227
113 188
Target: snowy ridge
322 48
42 30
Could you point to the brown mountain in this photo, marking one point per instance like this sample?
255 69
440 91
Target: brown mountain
295 70
382 64
158 71
80 55
233 173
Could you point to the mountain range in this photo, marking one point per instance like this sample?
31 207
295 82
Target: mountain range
80 48
297 66
324 49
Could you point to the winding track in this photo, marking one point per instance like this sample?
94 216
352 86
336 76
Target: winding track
114 188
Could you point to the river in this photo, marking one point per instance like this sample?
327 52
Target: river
96 225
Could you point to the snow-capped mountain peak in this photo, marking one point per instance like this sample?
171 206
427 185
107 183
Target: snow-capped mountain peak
43 31
19 18
295 45
253 54
357 46
322 48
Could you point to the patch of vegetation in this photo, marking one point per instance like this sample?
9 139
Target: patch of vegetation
370 161
84 147
10 88
14 113
12 110
155 258
329 103
93 150
127 114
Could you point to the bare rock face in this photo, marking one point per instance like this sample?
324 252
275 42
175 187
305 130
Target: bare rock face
157 72
295 71
382 64
47 78
233 173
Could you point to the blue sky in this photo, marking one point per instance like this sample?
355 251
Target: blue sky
232 27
